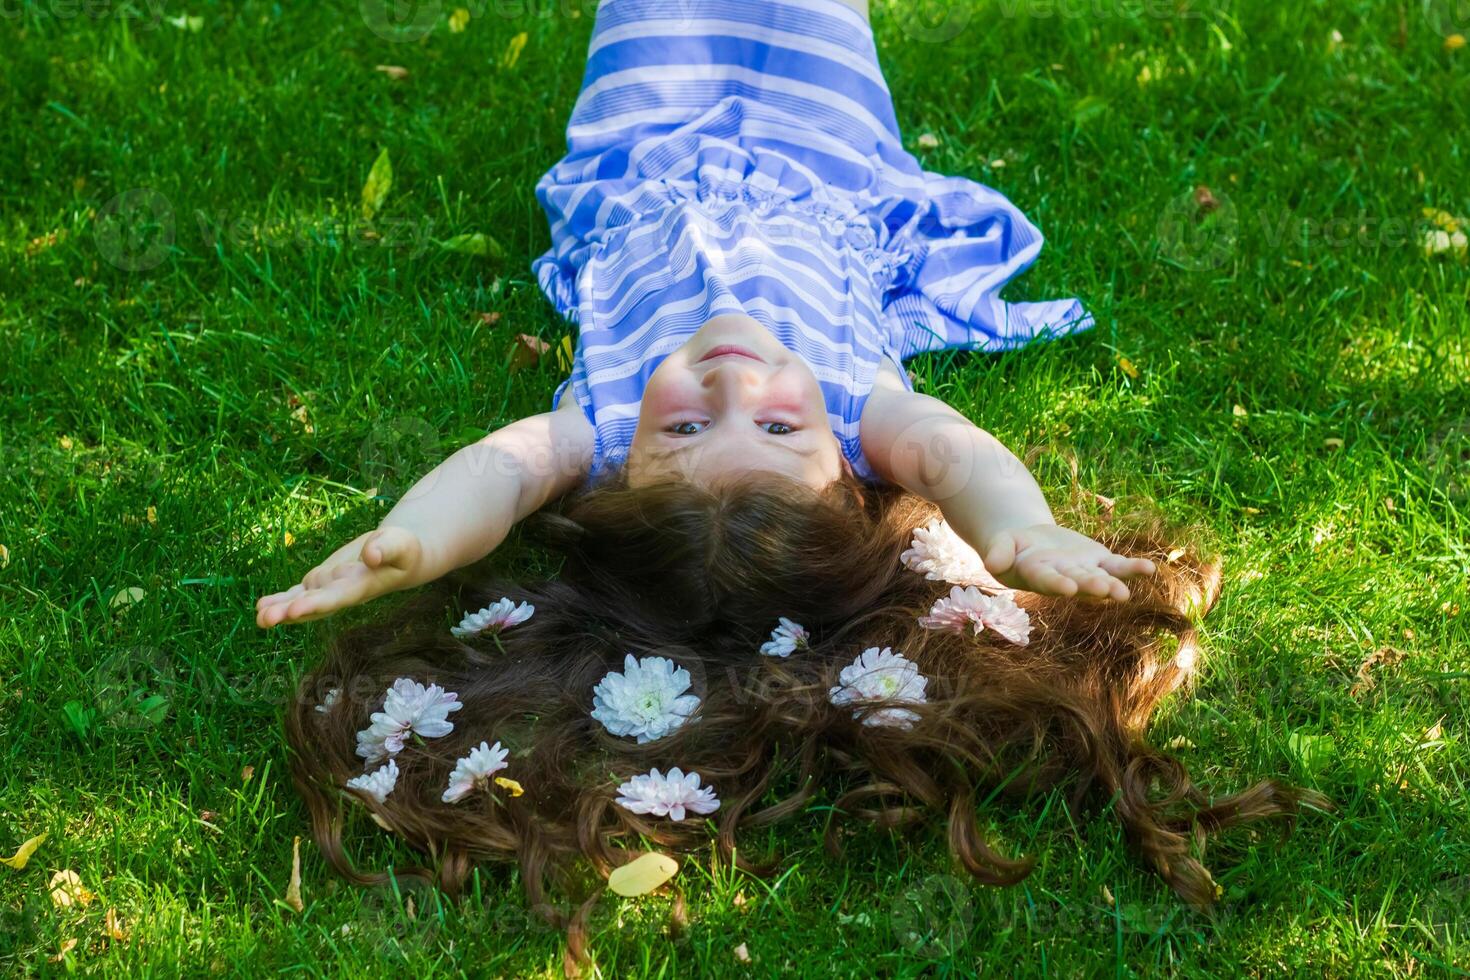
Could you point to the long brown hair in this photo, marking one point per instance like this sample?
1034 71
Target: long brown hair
700 576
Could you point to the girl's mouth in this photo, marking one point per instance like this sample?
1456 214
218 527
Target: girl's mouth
726 350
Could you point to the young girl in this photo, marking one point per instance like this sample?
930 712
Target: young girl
750 254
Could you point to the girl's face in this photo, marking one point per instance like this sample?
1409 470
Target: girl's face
731 400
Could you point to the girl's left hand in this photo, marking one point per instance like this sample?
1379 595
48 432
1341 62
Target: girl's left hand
1054 560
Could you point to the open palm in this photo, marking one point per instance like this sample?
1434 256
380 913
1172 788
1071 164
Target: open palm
1054 560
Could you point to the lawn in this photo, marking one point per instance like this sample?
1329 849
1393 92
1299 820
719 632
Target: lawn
217 368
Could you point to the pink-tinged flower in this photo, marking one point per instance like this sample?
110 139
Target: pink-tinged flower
786 637
940 555
667 795
969 607
408 707
474 771
497 616
376 784
884 676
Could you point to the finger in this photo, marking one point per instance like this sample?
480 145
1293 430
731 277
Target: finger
1090 580
1001 555
1045 578
275 597
386 547
1127 567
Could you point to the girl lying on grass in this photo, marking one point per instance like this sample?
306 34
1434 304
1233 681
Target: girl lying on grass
773 584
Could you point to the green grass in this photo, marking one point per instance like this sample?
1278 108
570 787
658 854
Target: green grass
166 377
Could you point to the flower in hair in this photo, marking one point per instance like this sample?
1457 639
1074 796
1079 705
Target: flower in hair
497 616
881 675
971 607
667 795
377 784
941 555
646 700
474 770
785 638
408 707
330 700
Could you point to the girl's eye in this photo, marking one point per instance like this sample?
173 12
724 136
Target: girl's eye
687 428
777 428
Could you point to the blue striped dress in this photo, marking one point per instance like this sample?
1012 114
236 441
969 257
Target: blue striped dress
742 156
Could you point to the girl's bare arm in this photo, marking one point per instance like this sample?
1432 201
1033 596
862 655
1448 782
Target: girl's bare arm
456 514
986 495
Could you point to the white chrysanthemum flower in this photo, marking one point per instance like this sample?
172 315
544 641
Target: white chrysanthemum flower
941 555
969 607
377 784
881 675
785 638
408 707
474 771
499 615
646 700
667 795
330 701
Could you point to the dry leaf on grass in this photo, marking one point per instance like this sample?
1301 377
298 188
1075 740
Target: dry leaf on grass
509 785
1383 656
513 50
396 72
23 853
742 953
247 773
293 887
526 350
1127 366
459 20
928 141
112 926
643 874
67 945
126 597
379 182
67 890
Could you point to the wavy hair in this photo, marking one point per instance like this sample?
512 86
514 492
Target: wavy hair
700 576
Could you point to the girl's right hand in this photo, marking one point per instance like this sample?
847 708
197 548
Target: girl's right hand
370 565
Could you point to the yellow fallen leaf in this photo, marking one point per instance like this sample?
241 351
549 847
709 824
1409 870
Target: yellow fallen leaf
513 50
1175 555
23 853
928 141
642 874
379 182
112 926
1127 366
247 774
67 945
67 890
152 514
742 953
289 539
1239 411
4 556
565 353
126 597
66 442
510 785
1332 442
293 887
459 20
396 72
1454 42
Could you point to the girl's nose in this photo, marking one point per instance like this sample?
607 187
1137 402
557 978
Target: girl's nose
733 377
